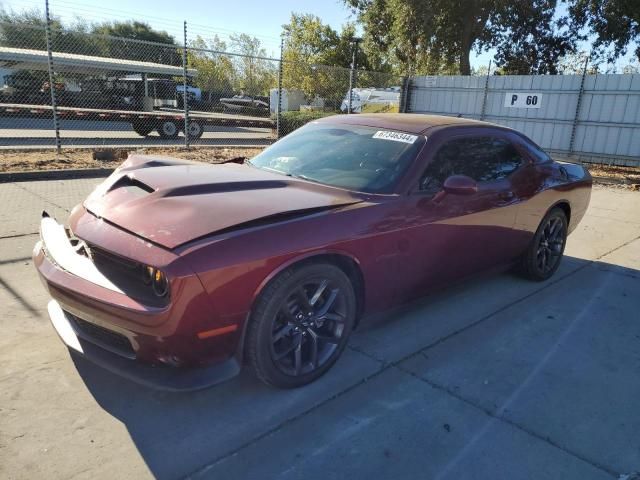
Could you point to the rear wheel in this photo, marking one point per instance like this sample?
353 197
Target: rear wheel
542 258
300 325
195 129
168 129
142 128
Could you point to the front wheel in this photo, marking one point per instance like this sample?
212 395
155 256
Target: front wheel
300 325
542 258
168 129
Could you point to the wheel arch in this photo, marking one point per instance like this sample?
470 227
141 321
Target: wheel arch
349 264
346 262
565 206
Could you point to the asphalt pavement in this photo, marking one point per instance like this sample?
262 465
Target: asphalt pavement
39 133
498 378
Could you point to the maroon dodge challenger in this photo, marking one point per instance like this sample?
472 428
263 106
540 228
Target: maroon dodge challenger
176 273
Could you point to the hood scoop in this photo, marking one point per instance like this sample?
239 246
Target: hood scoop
127 181
209 188
276 218
175 204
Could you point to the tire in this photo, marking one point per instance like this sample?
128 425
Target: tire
142 128
544 254
196 129
310 305
168 129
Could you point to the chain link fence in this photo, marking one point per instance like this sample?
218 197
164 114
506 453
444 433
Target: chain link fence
69 89
591 118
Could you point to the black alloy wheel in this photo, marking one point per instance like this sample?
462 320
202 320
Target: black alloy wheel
307 328
545 252
300 324
551 245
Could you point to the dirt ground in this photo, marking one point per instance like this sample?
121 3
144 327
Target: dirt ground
30 160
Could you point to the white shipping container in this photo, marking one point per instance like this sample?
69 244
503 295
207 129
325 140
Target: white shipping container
291 100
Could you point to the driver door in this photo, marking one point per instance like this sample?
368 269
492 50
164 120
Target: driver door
457 235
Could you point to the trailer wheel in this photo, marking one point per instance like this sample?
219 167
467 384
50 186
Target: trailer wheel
168 129
195 129
142 128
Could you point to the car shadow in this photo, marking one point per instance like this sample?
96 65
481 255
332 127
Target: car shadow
180 433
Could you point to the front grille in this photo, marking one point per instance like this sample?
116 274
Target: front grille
127 275
103 337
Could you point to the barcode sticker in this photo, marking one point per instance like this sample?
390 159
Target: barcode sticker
395 136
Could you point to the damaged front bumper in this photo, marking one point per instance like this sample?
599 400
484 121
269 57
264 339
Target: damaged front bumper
98 321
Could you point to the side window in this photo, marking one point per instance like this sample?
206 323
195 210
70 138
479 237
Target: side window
540 155
484 159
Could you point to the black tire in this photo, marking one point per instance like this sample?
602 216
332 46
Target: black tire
282 332
196 129
142 128
168 129
544 254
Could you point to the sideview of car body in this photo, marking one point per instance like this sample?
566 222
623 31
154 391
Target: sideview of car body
176 273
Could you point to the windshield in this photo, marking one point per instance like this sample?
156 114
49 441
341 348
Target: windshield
353 157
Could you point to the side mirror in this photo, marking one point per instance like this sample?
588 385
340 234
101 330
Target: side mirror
460 185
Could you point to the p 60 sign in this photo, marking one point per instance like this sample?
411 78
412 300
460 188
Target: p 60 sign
522 100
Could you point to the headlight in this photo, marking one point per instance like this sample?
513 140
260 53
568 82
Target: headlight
157 279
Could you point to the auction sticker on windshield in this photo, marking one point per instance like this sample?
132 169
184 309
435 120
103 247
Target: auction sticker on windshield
395 136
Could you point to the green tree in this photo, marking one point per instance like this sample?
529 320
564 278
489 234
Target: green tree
534 40
430 36
254 73
27 30
574 63
311 41
111 39
318 58
613 23
215 70
120 47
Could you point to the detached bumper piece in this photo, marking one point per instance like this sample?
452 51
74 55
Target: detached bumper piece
87 346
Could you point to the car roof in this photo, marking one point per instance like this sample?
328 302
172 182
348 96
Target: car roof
416 123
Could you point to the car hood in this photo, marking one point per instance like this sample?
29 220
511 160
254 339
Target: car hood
171 202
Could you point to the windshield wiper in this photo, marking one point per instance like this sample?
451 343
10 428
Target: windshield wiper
288 174
239 160
301 177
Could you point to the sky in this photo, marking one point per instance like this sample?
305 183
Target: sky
262 19
206 18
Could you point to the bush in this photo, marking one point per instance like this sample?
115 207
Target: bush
290 121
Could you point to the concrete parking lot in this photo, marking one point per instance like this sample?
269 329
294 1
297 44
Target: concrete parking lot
498 378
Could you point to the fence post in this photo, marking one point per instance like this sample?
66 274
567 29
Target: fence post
486 93
279 105
52 87
185 96
404 101
352 72
574 127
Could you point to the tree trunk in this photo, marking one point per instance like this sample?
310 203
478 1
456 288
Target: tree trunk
466 41
465 65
